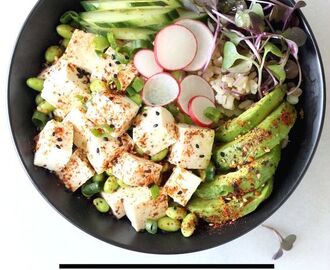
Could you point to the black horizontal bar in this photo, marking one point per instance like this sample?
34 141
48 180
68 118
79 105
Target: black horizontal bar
166 266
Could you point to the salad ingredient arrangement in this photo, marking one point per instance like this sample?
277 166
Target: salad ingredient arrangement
171 113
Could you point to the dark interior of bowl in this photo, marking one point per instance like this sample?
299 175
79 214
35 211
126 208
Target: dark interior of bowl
38 33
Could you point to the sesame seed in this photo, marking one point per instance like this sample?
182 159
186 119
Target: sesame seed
98 150
54 133
155 125
113 56
59 139
117 62
145 115
201 156
57 146
197 145
110 65
157 113
222 154
115 75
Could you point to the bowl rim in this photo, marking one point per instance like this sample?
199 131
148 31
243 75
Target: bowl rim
242 232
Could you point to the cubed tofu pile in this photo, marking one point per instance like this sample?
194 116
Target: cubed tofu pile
69 147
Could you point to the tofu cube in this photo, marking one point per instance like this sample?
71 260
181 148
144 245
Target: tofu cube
193 149
77 171
54 146
116 202
65 87
181 185
111 69
81 51
140 206
81 126
101 151
155 130
136 171
113 110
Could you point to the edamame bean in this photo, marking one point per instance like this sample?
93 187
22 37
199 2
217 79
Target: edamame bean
65 42
38 99
101 205
176 212
188 225
168 224
98 177
160 156
154 190
65 30
45 107
53 53
151 226
97 86
91 188
35 83
110 185
100 43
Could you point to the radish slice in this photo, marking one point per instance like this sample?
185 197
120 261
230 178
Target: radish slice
175 47
145 63
197 106
192 86
160 89
205 43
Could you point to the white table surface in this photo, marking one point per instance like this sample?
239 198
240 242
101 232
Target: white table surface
34 236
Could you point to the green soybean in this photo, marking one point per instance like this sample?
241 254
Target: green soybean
98 177
168 224
53 53
188 225
110 184
154 190
138 84
160 156
100 43
91 188
38 99
39 119
97 86
101 205
45 107
65 30
176 212
151 226
35 83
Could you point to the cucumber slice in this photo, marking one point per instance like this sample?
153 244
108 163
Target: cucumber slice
110 17
132 33
129 4
186 14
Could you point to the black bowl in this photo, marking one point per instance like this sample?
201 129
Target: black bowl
39 32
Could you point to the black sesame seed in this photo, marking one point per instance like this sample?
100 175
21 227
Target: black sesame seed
54 133
145 115
126 57
155 125
110 65
98 150
57 146
197 145
222 154
201 156
157 113
115 75
59 139
105 139
117 63
113 56
179 192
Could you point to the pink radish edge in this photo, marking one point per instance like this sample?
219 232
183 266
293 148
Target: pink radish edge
169 101
193 114
155 47
140 69
211 35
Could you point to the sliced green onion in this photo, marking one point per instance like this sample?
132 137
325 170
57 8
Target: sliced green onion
39 119
138 84
118 84
69 16
131 47
112 40
213 114
160 156
154 190
38 100
183 118
100 43
210 172
97 86
137 99
130 91
45 107
174 110
102 131
151 226
98 177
